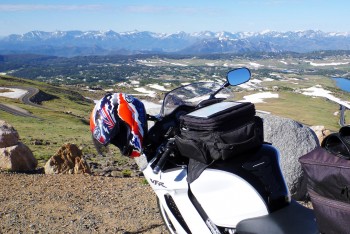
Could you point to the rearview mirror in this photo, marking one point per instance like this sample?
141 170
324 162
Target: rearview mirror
238 76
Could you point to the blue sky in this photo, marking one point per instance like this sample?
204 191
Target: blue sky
17 17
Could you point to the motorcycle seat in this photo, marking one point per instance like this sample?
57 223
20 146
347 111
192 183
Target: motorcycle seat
291 219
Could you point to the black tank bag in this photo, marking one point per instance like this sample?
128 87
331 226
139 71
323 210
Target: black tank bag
220 131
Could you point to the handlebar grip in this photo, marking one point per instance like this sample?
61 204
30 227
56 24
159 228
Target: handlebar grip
162 161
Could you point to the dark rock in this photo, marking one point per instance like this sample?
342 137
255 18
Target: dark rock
42 96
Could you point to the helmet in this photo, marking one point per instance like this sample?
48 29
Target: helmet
119 119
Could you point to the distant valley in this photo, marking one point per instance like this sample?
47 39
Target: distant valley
148 69
288 84
292 66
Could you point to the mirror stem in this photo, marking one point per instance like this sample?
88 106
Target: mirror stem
212 96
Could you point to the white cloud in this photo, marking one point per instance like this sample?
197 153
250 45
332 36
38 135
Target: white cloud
43 7
168 9
146 9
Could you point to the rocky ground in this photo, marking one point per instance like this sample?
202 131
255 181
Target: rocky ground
39 203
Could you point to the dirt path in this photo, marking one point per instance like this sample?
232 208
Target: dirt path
41 203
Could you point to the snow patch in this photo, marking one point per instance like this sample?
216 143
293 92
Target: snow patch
210 64
327 64
145 91
259 97
318 91
250 85
255 81
158 87
255 65
175 64
13 92
284 62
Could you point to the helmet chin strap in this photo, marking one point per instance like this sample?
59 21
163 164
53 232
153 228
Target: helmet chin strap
119 139
127 150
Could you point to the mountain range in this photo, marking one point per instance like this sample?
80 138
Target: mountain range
81 43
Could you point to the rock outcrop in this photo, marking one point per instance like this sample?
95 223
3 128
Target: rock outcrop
41 96
293 140
8 135
321 132
67 160
14 155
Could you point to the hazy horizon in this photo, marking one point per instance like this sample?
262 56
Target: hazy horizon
22 16
135 31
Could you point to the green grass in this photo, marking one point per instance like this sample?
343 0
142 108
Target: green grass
126 173
62 120
304 109
307 110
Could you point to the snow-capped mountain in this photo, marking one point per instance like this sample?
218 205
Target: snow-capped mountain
72 43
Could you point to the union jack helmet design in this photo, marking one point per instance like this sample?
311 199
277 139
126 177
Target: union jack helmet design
119 119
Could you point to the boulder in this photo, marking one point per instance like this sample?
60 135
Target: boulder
293 140
321 132
67 160
17 158
8 135
14 155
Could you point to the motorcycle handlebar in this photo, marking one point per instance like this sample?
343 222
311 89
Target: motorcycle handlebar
153 117
167 152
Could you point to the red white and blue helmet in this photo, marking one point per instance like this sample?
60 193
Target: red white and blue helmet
119 119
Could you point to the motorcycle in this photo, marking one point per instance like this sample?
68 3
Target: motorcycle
237 195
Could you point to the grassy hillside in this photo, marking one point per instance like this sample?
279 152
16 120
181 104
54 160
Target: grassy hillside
62 120
291 103
305 109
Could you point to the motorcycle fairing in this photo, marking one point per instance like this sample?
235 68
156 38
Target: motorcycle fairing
174 183
227 198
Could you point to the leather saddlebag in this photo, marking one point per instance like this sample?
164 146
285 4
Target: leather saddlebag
328 181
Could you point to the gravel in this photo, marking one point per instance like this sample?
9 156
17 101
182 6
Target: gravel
39 203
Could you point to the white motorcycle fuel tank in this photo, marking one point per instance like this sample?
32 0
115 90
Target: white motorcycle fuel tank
235 190
227 198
